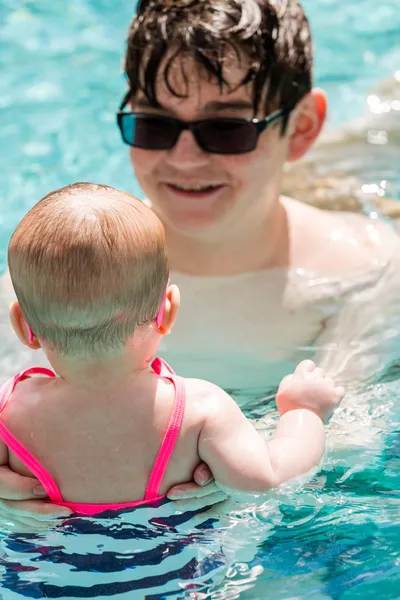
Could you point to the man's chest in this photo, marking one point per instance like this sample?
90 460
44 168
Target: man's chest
239 335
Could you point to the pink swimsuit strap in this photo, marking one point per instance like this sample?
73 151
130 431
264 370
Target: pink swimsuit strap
162 369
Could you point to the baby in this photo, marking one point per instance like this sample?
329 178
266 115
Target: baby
111 427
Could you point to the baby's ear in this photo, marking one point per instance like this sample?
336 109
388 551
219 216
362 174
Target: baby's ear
21 328
172 304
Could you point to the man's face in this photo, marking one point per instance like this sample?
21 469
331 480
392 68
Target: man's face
203 195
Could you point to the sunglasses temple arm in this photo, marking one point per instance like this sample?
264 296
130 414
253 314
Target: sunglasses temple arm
125 100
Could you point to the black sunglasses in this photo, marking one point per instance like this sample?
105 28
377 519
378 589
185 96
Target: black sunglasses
216 136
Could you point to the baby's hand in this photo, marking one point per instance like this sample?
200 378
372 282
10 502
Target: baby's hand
308 387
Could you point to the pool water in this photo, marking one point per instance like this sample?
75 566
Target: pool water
61 83
335 537
357 45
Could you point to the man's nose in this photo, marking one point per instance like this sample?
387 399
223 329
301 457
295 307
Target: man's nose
187 153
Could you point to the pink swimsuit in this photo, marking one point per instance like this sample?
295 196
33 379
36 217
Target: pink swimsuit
163 457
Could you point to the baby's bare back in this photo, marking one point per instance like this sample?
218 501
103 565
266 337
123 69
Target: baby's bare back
102 449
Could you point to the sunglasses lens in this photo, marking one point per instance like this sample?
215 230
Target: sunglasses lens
227 136
148 132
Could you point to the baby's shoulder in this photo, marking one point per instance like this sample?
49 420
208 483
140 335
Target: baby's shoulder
32 389
205 398
28 400
200 389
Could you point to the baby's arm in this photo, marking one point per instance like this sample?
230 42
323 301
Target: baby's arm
238 456
240 459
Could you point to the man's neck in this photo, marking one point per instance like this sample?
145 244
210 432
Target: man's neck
263 245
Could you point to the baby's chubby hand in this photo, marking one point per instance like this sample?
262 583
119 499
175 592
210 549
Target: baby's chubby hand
308 387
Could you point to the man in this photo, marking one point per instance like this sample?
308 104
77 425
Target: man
234 243
220 98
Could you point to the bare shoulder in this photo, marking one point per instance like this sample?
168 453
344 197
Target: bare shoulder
27 407
31 393
206 397
334 242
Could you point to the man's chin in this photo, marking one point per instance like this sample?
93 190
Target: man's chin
197 227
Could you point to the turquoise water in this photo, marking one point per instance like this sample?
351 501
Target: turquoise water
357 44
334 538
338 536
61 83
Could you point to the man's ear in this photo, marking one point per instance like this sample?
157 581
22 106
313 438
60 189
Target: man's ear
306 123
21 328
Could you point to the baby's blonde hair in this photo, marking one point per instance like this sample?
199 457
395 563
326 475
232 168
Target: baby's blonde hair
89 265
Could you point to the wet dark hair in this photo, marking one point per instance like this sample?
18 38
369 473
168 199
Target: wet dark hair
271 39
